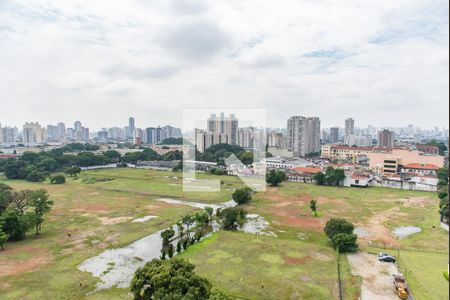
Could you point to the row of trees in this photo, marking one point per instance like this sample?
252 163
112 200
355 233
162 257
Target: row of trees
20 211
443 194
330 177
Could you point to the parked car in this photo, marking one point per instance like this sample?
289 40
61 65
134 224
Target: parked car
387 258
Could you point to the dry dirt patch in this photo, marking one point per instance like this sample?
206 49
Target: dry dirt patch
113 221
376 276
39 257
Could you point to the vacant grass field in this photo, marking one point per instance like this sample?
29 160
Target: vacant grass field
297 264
256 267
424 272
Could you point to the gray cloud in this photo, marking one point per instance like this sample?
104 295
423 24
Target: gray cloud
198 40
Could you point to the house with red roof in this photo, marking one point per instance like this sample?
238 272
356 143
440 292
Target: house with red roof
420 169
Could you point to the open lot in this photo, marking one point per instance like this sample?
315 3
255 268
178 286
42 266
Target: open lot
297 264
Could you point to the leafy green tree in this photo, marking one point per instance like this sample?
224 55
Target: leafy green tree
73 170
274 177
39 201
3 239
187 220
17 170
242 196
246 158
166 235
169 280
6 196
313 206
58 179
344 242
339 176
209 210
232 217
30 157
112 154
441 146
36 176
319 178
48 165
14 224
336 225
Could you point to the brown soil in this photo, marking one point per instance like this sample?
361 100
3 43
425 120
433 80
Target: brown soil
295 260
113 221
92 208
377 231
11 266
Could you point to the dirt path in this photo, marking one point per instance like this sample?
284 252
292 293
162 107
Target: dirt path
377 276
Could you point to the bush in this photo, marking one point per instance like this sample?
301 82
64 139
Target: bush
58 179
169 279
335 226
242 196
36 176
232 217
446 275
274 177
344 242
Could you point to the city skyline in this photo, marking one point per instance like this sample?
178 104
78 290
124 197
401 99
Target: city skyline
389 67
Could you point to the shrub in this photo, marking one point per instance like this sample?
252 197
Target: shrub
36 176
336 225
344 242
169 279
274 177
58 179
242 196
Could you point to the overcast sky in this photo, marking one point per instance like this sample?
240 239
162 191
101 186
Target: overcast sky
383 62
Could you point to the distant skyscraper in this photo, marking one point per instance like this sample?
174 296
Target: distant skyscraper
386 139
224 125
334 135
33 134
349 126
130 128
77 126
303 135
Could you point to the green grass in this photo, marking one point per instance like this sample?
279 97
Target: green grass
256 267
423 271
237 263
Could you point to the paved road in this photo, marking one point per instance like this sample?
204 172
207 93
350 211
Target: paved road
377 276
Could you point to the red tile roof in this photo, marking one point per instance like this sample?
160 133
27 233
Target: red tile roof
422 166
343 147
312 170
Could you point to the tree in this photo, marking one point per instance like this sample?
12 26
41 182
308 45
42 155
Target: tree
274 178
441 146
39 200
242 196
17 170
58 179
336 225
112 154
187 220
319 178
246 158
36 176
14 224
339 176
232 217
6 196
209 210
344 242
166 235
20 201
313 206
48 165
169 279
73 170
3 239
